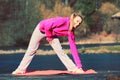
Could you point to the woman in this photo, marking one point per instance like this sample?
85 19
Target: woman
51 29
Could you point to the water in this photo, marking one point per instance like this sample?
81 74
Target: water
107 65
62 77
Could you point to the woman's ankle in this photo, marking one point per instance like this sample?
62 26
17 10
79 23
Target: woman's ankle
79 70
18 72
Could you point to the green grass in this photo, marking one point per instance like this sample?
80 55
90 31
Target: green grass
114 48
101 49
95 50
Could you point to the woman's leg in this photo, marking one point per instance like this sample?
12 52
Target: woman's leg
33 46
63 57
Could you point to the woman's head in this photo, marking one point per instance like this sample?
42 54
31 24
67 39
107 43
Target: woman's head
75 21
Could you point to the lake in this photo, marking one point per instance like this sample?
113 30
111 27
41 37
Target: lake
107 65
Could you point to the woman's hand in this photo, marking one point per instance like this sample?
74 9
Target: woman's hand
51 41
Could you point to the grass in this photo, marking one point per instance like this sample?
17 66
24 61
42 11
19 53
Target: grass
90 50
101 49
114 48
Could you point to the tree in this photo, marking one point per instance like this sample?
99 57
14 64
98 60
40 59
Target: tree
107 9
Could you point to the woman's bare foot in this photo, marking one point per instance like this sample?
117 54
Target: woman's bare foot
18 72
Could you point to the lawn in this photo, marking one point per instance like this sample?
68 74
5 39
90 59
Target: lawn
101 49
83 50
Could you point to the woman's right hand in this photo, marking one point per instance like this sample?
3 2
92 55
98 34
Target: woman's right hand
51 41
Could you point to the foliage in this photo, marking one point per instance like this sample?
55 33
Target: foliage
87 11
18 18
56 11
19 22
107 9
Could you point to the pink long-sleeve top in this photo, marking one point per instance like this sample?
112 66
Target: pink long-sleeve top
59 26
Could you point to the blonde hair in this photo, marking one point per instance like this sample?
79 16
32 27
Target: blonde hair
73 15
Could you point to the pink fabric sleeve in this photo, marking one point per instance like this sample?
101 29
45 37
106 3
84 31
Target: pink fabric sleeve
73 49
48 30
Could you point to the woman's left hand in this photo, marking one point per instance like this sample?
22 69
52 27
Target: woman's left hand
51 41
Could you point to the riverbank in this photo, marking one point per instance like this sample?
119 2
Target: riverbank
82 49
95 39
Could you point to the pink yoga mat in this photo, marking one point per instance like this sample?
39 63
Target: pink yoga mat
54 72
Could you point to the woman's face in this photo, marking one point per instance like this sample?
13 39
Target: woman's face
77 21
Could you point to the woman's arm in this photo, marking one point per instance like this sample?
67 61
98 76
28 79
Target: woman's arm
48 30
73 49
